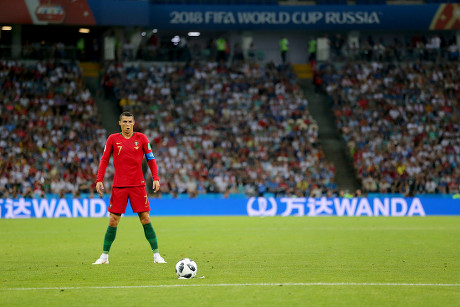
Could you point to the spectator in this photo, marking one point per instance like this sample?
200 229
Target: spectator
246 125
53 138
400 122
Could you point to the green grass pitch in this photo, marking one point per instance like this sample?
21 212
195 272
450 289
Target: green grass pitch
246 261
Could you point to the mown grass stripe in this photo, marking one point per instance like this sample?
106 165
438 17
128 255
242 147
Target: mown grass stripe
242 285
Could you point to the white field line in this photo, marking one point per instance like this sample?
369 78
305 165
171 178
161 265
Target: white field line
327 284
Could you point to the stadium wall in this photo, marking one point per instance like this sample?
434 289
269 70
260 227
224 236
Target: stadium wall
255 206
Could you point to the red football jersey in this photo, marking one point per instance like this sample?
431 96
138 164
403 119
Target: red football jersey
127 159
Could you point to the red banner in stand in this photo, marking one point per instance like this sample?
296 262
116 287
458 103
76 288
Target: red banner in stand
68 12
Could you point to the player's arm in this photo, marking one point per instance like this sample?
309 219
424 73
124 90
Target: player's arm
151 161
108 149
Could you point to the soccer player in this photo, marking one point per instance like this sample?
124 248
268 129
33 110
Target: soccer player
128 149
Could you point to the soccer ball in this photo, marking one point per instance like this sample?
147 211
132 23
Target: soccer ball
186 268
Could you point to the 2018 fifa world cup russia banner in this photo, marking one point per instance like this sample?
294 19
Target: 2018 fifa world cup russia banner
314 17
231 17
256 206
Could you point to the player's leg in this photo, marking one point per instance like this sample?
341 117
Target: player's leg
117 206
140 204
150 235
111 232
110 235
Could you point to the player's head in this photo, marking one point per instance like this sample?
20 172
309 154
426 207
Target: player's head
126 114
126 123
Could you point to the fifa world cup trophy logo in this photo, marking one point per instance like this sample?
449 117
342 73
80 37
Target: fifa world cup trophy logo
447 17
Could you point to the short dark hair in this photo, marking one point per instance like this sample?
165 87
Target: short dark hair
127 114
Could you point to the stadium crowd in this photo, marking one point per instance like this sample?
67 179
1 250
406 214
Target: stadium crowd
51 138
434 48
401 123
241 128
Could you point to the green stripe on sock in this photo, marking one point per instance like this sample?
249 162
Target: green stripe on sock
110 235
151 236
